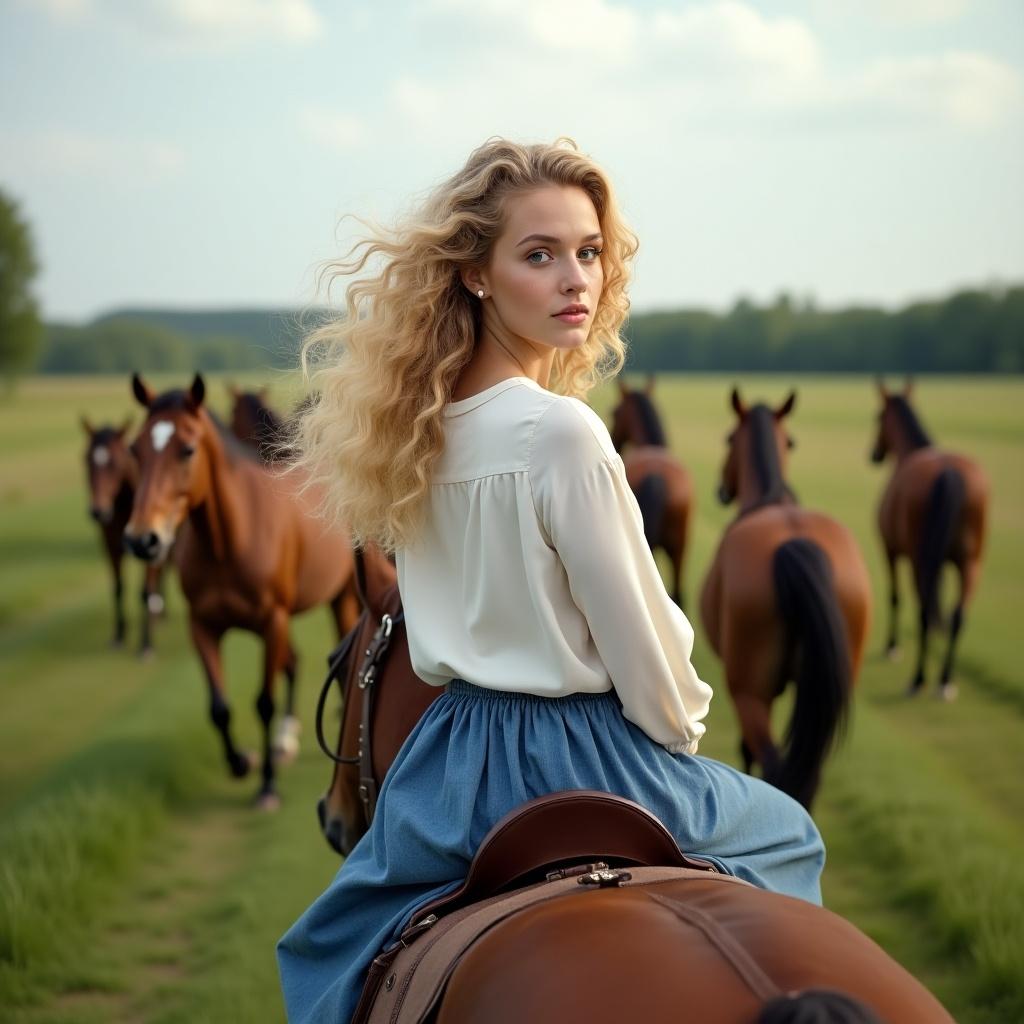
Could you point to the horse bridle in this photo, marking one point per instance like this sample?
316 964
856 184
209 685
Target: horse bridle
366 677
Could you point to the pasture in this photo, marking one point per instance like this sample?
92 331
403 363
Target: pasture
137 884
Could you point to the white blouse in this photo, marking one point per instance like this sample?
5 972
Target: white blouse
532 573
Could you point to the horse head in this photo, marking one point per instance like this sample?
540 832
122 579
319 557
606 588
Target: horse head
174 466
635 419
109 467
758 448
896 421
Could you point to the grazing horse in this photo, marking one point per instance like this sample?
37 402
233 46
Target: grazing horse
671 936
661 483
249 551
111 472
254 423
933 511
787 597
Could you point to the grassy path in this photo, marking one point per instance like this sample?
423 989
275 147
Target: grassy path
136 884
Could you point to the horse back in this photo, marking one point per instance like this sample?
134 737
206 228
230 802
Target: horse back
641 462
718 950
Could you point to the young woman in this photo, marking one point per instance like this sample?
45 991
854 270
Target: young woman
450 430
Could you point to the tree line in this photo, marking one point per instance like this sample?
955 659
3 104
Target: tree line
978 330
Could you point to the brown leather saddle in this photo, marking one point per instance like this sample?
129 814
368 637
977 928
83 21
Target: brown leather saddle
566 836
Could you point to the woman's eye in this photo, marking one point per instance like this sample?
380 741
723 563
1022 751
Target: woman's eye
590 254
545 257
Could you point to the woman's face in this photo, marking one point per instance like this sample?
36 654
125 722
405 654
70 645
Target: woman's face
544 278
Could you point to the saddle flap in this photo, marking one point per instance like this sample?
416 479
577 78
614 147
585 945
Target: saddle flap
561 829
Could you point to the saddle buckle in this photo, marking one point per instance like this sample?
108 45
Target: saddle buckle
605 878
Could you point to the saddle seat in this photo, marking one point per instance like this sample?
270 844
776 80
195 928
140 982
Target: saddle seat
563 830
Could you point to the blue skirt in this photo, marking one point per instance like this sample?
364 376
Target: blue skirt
474 756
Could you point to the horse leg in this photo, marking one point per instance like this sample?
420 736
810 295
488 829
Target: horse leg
675 548
152 605
207 644
967 575
892 644
276 649
286 742
119 620
922 650
757 744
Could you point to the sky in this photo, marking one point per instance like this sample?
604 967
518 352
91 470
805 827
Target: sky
207 153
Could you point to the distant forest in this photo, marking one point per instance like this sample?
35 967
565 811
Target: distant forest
971 331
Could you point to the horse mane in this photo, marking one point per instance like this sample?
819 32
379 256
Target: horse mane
649 419
178 400
910 423
774 489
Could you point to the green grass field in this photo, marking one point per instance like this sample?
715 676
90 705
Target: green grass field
136 883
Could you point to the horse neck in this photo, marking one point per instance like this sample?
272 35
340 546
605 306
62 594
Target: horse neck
219 518
761 479
909 435
647 429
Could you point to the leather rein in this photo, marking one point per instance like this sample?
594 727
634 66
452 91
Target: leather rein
338 669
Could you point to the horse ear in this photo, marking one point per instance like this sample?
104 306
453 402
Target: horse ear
908 386
787 406
649 386
621 381
143 395
263 394
233 391
197 392
86 425
737 404
882 390
125 427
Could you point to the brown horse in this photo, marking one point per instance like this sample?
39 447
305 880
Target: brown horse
382 699
787 597
661 483
249 551
933 511
112 473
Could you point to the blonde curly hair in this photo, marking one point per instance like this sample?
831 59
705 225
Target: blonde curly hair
384 372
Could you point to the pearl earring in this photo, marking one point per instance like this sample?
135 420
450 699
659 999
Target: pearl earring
480 293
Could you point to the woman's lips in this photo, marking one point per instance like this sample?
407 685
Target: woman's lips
571 318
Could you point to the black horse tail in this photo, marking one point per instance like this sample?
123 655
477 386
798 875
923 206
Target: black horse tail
652 497
818 656
941 519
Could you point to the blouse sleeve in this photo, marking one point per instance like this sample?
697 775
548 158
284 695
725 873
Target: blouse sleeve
592 519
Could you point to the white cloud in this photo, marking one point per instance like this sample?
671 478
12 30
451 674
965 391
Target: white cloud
330 129
733 37
594 28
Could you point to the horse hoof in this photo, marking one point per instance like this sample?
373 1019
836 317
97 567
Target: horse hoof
242 764
892 653
947 692
267 801
147 654
116 644
913 690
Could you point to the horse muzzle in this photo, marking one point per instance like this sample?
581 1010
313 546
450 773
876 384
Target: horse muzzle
147 546
725 496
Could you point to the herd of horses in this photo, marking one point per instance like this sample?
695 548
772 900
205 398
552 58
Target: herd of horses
787 598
